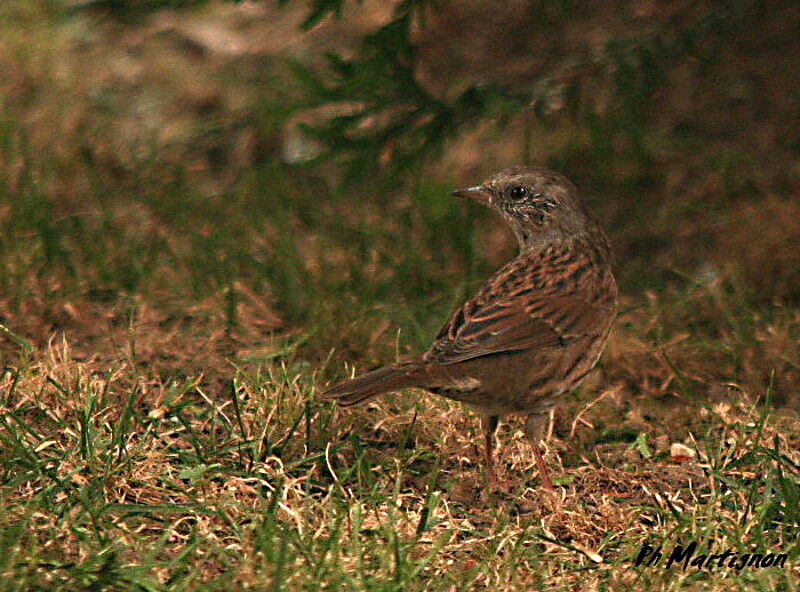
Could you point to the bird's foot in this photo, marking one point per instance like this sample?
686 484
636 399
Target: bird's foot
496 486
546 482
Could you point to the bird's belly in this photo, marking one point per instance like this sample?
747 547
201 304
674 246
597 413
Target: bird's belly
528 382
496 385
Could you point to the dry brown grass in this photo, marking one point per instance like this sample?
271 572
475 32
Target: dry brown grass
190 473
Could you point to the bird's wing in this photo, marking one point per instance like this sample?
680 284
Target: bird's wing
538 300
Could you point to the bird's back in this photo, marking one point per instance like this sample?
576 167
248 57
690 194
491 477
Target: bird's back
548 311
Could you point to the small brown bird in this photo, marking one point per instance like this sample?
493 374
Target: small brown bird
537 327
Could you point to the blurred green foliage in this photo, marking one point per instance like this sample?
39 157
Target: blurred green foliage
395 121
391 121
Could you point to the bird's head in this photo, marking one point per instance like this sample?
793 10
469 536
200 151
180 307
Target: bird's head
540 205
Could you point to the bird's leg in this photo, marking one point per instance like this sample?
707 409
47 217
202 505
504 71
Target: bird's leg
489 424
537 453
533 430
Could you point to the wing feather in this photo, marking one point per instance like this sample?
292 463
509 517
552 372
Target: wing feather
537 301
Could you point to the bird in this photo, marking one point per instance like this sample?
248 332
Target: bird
535 329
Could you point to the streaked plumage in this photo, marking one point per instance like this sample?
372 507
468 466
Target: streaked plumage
536 328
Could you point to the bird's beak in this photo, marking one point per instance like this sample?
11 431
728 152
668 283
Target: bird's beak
478 193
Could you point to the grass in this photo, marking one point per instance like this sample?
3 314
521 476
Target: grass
112 480
170 308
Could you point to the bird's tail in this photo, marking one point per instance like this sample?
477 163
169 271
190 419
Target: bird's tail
369 385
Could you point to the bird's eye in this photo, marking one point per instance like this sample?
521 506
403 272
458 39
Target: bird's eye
518 192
